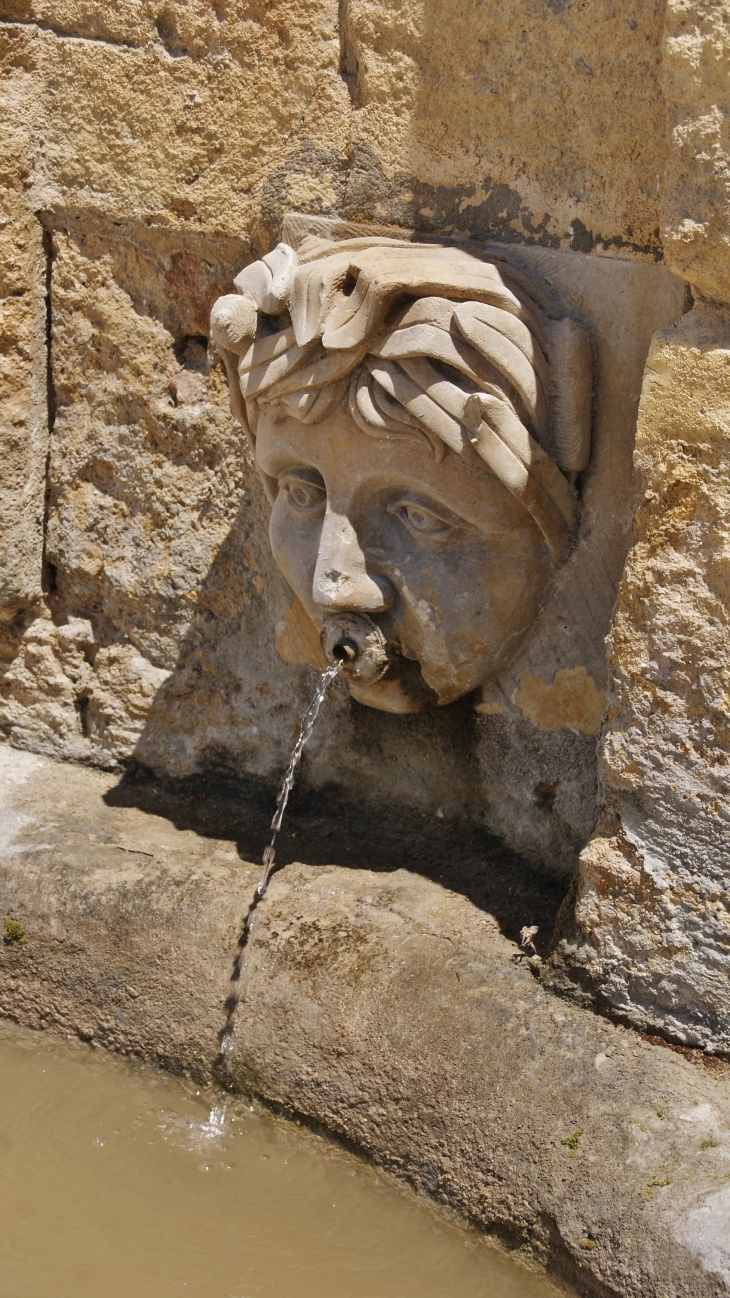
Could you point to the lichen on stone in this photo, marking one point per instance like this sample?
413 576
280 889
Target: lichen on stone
13 933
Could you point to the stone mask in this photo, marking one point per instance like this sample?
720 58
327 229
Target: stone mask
418 418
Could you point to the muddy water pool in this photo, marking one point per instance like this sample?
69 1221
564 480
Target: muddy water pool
119 1182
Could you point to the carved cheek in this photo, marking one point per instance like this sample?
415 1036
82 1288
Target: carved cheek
420 623
294 544
458 612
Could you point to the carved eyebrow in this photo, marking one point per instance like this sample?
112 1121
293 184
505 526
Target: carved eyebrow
305 473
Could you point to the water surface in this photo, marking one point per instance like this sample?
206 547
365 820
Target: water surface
119 1182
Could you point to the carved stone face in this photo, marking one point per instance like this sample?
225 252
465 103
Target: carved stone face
430 561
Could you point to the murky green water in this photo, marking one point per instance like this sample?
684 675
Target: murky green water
117 1182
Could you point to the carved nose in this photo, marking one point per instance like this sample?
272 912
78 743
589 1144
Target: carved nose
341 579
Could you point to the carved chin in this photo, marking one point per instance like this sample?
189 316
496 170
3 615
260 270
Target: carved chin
387 696
401 690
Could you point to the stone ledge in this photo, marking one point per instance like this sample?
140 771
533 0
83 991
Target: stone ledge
382 1007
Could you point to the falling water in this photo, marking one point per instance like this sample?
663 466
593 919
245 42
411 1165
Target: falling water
307 726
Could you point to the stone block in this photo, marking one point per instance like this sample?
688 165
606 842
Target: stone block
696 188
447 101
651 936
154 517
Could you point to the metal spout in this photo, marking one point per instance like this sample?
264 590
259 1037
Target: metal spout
354 640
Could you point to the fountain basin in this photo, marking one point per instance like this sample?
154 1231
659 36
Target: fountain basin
382 1007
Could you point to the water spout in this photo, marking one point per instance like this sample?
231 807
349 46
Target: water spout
355 642
268 860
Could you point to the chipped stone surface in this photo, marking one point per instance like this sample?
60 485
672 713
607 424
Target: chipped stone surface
175 110
381 1006
570 700
226 118
407 115
157 540
151 533
449 96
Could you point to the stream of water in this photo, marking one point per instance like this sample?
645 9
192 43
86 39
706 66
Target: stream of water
307 726
119 1182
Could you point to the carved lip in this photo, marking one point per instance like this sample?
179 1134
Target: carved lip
373 665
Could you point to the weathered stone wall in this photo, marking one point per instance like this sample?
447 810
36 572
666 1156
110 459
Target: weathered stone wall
696 187
652 925
647 928
24 413
149 150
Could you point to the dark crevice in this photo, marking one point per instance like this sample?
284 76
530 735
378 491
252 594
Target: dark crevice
48 571
191 352
81 704
545 793
166 28
349 68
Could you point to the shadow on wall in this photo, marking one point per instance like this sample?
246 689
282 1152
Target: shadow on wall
229 708
158 537
375 790
323 827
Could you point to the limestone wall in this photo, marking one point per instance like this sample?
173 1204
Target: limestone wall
151 149
650 933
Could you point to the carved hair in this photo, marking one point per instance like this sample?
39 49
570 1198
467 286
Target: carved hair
422 341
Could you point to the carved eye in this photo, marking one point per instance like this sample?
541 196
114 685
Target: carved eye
420 520
304 495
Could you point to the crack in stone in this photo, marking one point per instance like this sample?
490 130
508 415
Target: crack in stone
349 67
160 44
71 36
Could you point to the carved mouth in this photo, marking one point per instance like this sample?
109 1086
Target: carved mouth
354 640
372 662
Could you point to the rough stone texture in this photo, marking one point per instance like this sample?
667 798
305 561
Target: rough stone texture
450 97
175 109
652 917
649 935
234 113
149 534
158 635
620 304
23 350
696 192
176 131
528 745
383 1007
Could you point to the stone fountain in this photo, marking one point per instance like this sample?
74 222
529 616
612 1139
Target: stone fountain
468 274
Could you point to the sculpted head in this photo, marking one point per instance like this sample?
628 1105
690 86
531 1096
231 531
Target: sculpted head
418 446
